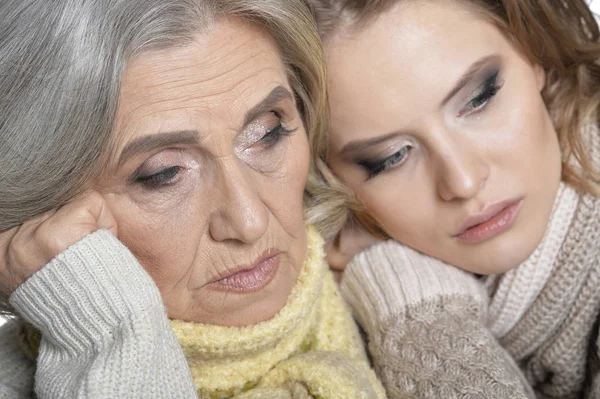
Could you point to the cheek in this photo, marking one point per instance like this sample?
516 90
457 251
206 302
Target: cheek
284 190
155 237
527 141
399 212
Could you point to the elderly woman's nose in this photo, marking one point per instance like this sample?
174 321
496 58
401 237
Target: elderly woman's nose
240 214
461 171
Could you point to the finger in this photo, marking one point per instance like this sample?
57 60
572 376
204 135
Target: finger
72 222
22 258
355 239
6 279
106 220
336 259
24 251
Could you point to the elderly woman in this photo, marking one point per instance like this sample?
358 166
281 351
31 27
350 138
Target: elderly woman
154 155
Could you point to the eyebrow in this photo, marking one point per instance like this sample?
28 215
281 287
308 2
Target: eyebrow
468 76
359 145
276 95
150 142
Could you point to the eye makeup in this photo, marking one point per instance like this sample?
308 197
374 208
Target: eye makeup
160 178
375 166
163 169
490 87
275 135
267 130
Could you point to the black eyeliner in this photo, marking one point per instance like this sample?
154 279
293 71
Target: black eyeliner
375 167
490 88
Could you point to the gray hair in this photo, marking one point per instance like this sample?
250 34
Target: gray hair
61 63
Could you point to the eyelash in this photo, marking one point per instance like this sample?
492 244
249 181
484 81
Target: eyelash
274 135
490 89
167 175
375 167
159 179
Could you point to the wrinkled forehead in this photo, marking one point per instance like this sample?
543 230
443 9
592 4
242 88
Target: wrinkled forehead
214 79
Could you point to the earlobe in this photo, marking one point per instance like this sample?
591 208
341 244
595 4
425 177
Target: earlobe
540 76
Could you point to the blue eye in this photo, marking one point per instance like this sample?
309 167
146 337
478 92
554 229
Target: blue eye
159 179
489 89
375 167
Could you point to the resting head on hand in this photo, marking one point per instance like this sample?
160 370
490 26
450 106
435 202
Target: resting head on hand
181 127
456 141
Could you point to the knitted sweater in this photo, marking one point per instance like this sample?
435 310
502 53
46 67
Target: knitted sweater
425 323
545 313
105 334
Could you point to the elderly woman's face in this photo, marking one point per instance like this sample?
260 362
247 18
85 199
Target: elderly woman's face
438 125
207 175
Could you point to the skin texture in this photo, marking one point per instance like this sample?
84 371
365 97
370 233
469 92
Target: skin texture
227 185
391 90
235 194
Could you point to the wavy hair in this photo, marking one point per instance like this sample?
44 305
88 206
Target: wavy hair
561 36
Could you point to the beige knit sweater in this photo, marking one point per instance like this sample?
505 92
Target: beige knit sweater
425 323
431 332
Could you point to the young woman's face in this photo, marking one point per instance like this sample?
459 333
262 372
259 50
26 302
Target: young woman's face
207 176
439 127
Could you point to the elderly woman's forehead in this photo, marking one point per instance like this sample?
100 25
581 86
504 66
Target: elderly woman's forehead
209 84
228 53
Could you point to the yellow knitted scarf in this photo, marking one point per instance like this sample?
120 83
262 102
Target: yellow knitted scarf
312 342
310 347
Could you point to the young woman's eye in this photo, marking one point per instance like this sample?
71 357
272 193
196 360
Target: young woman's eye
488 90
375 167
159 179
274 135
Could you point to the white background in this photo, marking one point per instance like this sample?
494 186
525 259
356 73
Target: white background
594 5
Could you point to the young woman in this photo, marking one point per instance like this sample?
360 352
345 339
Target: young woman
468 131
153 160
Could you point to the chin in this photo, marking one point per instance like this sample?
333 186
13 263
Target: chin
507 252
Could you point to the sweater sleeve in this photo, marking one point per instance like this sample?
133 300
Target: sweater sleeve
425 324
105 333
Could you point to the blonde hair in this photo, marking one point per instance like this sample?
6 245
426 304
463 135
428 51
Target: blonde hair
561 36
61 64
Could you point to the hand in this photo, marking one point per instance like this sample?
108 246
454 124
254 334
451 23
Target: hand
349 242
27 248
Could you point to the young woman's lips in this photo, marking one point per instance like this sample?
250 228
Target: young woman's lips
250 278
496 219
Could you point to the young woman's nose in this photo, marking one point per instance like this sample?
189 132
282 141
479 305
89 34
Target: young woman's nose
240 214
461 173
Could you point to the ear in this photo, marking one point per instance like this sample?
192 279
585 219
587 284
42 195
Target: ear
540 76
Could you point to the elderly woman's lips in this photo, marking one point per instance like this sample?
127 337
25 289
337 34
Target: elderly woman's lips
250 278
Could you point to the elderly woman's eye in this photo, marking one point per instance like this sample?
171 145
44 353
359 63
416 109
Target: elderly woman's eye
159 179
274 135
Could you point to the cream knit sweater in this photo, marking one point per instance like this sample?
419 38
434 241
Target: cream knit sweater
105 334
431 333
